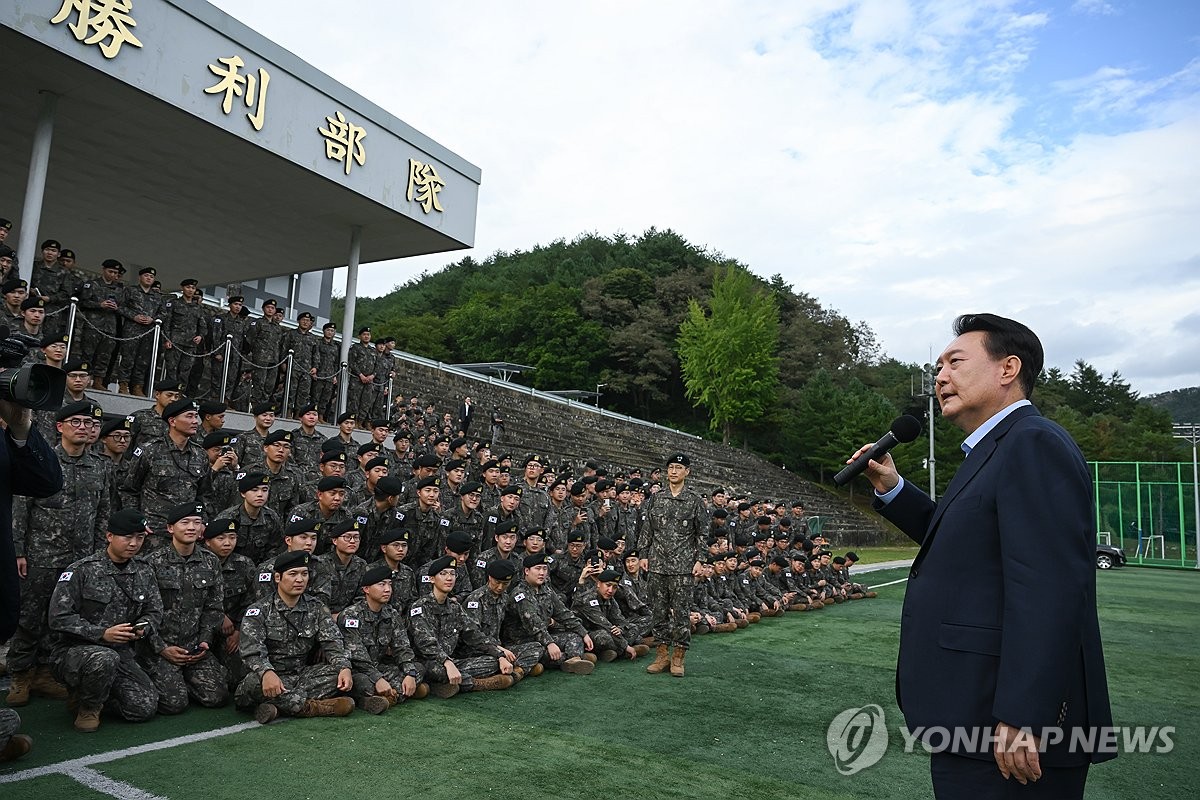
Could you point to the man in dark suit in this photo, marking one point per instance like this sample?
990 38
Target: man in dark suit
465 412
999 631
28 466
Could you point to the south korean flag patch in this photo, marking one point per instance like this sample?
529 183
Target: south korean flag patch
253 612
518 597
426 579
416 611
350 622
593 602
473 604
66 576
264 577
481 564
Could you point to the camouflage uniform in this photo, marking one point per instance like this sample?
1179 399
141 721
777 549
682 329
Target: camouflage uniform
279 639
135 353
404 586
302 344
318 582
264 339
426 528
239 579
258 537
565 572
634 608
92 595
378 646
306 449
599 616
463 586
95 339
670 534
470 524
559 522
338 583
538 614
10 724
193 609
479 564
148 426
218 490
51 533
57 285
287 489
312 510
328 360
361 360
162 475
534 510
436 631
492 519
378 520
183 321
385 366
223 325
488 610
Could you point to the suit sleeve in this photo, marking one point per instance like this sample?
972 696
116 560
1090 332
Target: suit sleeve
910 511
33 470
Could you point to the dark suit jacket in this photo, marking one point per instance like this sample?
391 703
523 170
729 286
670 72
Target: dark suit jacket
465 414
999 619
32 470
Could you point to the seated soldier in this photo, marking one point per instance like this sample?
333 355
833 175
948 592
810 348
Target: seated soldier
538 614
457 546
722 586
633 601
178 653
487 607
437 625
13 745
300 536
567 571
506 544
279 633
739 582
259 527
384 667
769 600
806 595
101 605
393 550
337 572
239 581
778 573
713 615
597 608
860 589
326 508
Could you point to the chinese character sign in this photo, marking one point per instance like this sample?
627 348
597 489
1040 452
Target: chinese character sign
103 22
235 84
343 141
424 184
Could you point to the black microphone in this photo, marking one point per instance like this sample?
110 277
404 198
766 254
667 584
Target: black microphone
904 429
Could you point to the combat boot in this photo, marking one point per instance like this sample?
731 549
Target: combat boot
517 674
608 656
538 669
138 390
17 746
87 720
742 622
99 384
493 684
333 707
44 685
755 616
123 387
266 713
662 658
374 704
677 656
590 657
422 691
872 594
640 650
18 692
578 666
445 690
725 627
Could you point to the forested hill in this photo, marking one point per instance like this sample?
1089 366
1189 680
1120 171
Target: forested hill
1182 404
609 310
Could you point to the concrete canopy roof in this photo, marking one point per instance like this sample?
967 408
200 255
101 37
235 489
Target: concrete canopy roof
138 179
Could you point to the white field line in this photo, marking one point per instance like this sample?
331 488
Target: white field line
106 785
889 583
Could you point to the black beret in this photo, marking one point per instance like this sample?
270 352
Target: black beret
394 535
127 522
534 560
425 483
302 525
84 408
608 575
292 560
457 443
578 488
36 301
266 406
501 569
275 437
147 271
576 536
743 507
305 315
427 461
459 541
468 487
631 553
756 562
219 527
181 406
839 560
851 555
786 522
77 364
779 561
116 424
604 485
439 564
332 456
219 438
369 447
490 464
388 486
250 480
333 445
376 575
183 510
345 526
508 526
169 385
362 330
454 463
507 490
348 416
763 520
13 284
533 532
605 543
589 480
720 513
329 325
532 458
330 482
270 301
377 461
210 407
305 409
680 458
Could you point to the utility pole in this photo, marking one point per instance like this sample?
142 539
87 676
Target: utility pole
1190 432
927 393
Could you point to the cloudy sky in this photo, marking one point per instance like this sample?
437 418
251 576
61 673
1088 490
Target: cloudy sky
902 161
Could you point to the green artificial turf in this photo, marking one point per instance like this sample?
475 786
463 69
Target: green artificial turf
748 721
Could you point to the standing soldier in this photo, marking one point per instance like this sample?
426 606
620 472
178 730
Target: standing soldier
234 325
303 345
279 633
102 604
327 363
56 282
306 439
148 424
180 653
361 375
100 301
670 534
139 308
385 371
50 533
184 330
263 340
167 472
384 664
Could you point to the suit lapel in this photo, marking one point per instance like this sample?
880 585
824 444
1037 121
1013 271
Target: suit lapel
979 456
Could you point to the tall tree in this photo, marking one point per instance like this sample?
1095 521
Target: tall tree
727 356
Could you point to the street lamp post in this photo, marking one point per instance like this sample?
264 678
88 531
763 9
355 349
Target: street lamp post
599 386
927 393
1190 432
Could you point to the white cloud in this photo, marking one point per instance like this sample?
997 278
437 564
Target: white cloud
863 150
1094 7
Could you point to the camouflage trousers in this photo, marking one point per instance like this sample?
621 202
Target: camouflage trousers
264 384
636 628
670 599
206 682
300 391
325 396
571 645
471 667
314 682
365 687
527 653
603 639
135 355
10 723
99 348
110 678
28 645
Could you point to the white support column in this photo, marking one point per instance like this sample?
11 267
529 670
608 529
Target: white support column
35 186
351 296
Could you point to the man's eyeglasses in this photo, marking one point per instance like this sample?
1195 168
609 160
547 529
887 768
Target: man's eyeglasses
82 422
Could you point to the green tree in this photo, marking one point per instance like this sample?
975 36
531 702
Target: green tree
727 356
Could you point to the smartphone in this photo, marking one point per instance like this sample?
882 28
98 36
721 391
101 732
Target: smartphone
197 650
140 628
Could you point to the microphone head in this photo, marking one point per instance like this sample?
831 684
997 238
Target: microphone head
906 428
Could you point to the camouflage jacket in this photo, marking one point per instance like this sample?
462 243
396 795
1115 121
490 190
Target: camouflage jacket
162 475
263 342
537 612
480 563
91 294
404 586
596 613
426 527
54 531
378 639
303 345
306 450
94 594
337 582
284 640
487 610
436 629
671 531
193 596
258 537
183 321
239 579
135 301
